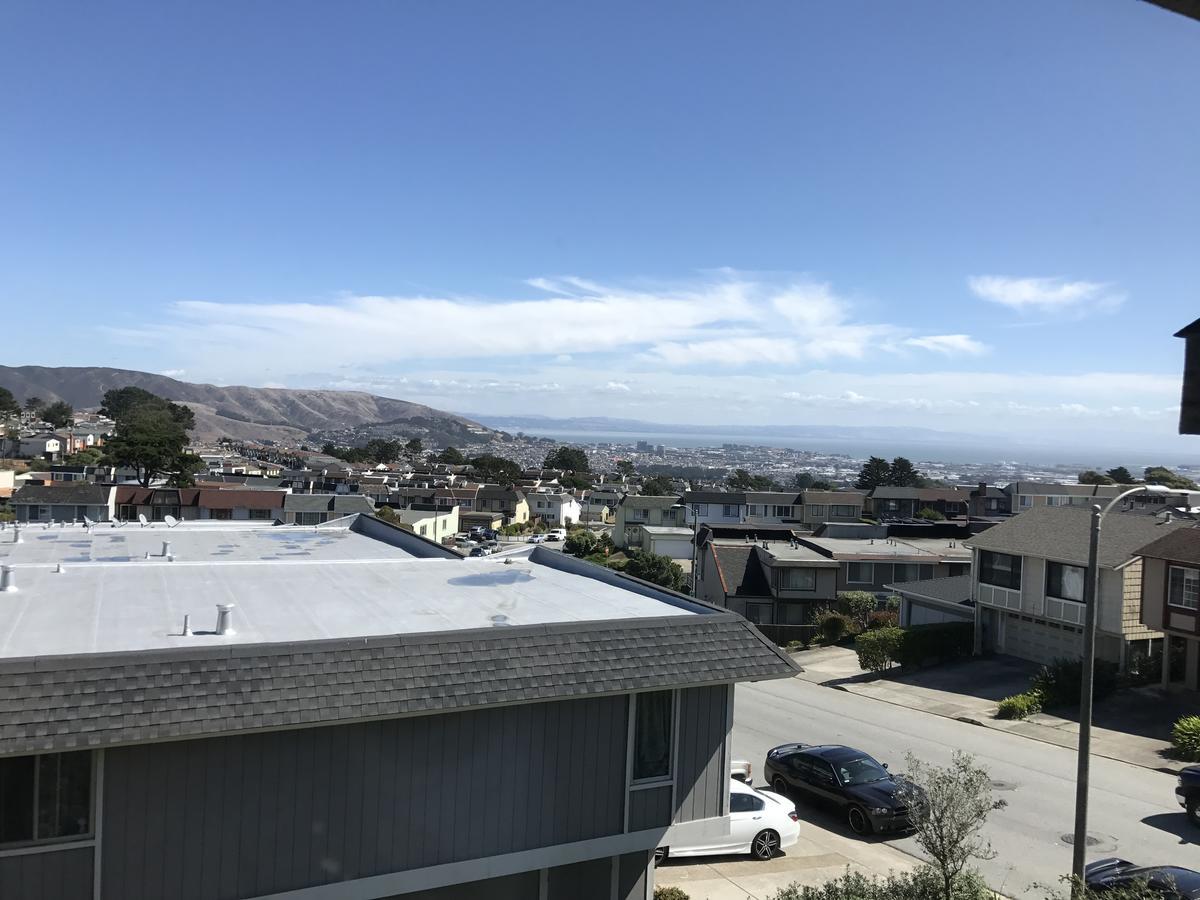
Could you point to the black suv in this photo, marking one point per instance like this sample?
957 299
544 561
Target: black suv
860 787
1114 874
1187 792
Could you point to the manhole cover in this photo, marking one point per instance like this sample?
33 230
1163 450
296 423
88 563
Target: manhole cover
1003 786
1105 842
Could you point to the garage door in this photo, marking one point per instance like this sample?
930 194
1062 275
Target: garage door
1039 640
672 547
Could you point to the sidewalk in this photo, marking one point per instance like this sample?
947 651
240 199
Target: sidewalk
970 691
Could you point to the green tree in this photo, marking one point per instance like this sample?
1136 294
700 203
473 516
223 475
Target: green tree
902 473
382 450
1121 475
329 449
803 481
413 447
88 456
576 482
656 569
930 515
33 404
1163 475
489 467
8 404
741 480
950 808
1091 476
874 473
569 459
821 485
186 467
59 414
451 456
626 468
658 486
580 543
150 435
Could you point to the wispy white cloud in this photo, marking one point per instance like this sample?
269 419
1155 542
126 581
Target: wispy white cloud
1046 295
949 344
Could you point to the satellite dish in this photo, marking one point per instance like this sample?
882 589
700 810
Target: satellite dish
142 519
87 522
171 521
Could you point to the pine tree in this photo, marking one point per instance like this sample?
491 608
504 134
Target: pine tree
873 474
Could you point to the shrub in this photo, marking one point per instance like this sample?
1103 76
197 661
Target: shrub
920 884
1018 706
877 649
892 602
1144 668
1061 682
832 624
883 618
930 515
859 604
580 543
1186 738
941 642
669 892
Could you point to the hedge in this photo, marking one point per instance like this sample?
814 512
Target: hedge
1061 682
877 649
938 643
1019 706
1186 738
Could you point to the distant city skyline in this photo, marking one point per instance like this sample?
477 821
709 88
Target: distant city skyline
950 216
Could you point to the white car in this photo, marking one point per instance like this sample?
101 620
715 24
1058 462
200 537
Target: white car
536 539
556 534
742 770
761 823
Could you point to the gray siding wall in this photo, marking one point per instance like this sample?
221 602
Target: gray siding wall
254 814
525 886
591 880
702 767
57 875
633 876
650 808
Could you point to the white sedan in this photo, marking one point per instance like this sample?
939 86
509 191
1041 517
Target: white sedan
761 823
536 539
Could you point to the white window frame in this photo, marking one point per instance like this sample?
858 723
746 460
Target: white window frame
1194 576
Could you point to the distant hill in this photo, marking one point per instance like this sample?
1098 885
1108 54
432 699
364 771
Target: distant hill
280 414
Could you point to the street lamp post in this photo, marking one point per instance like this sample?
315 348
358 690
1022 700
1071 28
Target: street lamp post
1091 590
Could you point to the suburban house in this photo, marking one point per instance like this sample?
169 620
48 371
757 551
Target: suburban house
804 510
65 502
872 563
559 508
935 600
462 496
906 502
714 507
316 509
770 577
41 446
598 506
507 502
636 510
988 501
221 503
428 520
230 717
819 507
1028 581
1171 601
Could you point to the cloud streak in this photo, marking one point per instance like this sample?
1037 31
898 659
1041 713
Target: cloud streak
1046 295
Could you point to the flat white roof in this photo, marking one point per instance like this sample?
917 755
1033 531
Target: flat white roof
288 585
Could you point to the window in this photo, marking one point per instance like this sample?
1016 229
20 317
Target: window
309 518
260 514
815 511
1025 501
729 510
1058 501
1183 587
1065 582
906 572
127 512
1000 570
753 509
845 511
859 573
44 798
745 803
700 509
799 579
222 514
422 530
782 512
652 735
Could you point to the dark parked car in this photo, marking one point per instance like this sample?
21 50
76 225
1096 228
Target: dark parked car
1187 792
1169 881
863 789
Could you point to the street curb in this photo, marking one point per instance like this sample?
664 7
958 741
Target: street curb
970 721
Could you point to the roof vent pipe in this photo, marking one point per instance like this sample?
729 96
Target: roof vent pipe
187 625
6 580
166 551
17 534
225 618
58 570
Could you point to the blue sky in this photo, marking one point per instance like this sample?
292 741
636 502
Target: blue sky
955 215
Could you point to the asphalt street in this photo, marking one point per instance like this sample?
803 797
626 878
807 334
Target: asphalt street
1133 810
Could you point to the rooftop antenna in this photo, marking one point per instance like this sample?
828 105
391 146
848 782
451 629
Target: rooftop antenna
142 520
171 521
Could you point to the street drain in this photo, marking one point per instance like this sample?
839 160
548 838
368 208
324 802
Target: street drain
1003 786
1106 842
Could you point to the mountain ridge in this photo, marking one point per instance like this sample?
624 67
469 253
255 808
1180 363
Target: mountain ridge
239 411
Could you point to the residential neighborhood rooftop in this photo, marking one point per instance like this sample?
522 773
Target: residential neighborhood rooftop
952 589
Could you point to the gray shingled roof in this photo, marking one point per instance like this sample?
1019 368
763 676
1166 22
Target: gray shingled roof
1061 533
1181 545
70 492
731 497
740 570
343 503
954 589
61 703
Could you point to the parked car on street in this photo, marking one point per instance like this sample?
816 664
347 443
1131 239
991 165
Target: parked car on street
536 539
1187 792
760 823
481 551
1114 874
851 780
556 534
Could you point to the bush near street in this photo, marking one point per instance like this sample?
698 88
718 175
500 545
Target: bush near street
1019 706
832 625
938 643
1186 738
878 648
670 892
1061 682
922 884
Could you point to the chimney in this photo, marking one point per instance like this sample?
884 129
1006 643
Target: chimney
225 618
6 580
